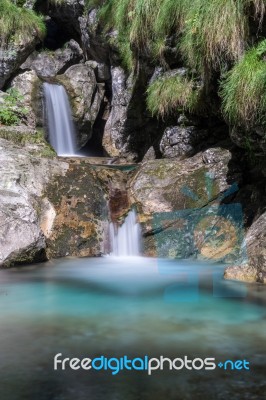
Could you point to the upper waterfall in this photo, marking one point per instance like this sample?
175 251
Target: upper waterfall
62 135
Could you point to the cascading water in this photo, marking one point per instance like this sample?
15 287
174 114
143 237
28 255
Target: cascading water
125 239
61 128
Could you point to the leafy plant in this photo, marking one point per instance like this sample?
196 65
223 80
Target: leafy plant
12 110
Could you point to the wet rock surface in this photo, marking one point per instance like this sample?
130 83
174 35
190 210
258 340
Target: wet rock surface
48 207
180 206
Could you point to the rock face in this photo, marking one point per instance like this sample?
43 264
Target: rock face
129 131
25 83
180 141
47 207
85 96
49 64
66 15
180 206
253 268
254 142
114 142
94 44
12 57
76 202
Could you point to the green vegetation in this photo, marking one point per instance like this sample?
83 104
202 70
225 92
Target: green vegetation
35 142
18 24
211 32
11 108
210 36
244 89
169 94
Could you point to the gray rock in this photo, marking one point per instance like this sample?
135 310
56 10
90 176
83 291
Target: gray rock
129 131
114 141
180 141
253 141
13 56
150 155
50 64
25 83
85 96
94 42
102 71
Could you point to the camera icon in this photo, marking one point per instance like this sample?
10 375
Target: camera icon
211 232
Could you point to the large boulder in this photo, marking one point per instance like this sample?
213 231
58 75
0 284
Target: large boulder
49 64
25 83
129 131
253 268
48 207
181 207
85 95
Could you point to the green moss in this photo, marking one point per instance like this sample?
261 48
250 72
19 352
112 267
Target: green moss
243 90
18 24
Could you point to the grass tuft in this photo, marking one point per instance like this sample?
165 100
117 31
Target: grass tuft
170 94
18 24
211 32
243 90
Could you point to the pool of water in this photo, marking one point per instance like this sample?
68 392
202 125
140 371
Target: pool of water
135 307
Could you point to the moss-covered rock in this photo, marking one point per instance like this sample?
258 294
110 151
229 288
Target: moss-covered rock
49 207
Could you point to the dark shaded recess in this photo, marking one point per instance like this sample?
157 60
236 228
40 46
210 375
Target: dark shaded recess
66 20
141 130
252 186
55 38
257 27
94 147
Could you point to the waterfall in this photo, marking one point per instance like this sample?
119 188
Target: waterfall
62 135
125 239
